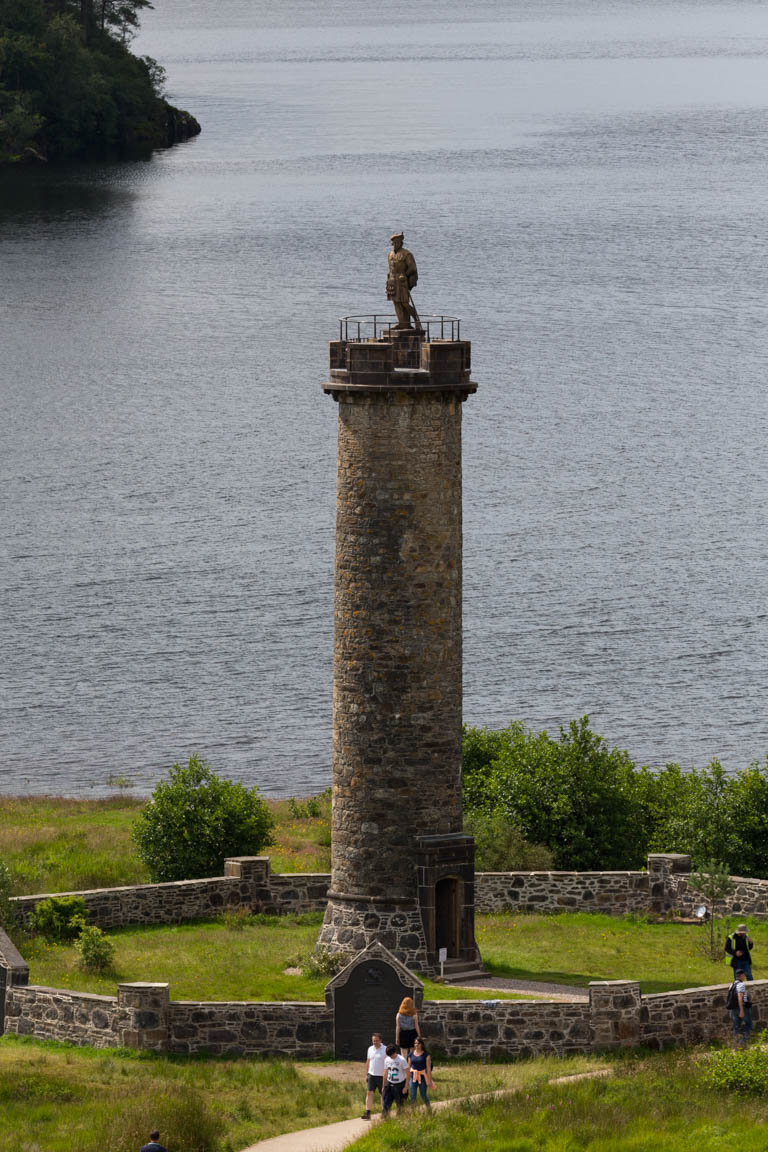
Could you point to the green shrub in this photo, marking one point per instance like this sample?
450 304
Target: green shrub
582 799
743 1072
236 919
320 963
59 918
593 807
311 809
195 820
501 847
96 950
7 911
700 813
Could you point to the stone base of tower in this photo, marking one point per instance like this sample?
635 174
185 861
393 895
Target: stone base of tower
440 920
350 925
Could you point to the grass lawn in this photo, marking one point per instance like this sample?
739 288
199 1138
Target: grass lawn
54 1098
650 1104
205 960
575 948
216 960
56 845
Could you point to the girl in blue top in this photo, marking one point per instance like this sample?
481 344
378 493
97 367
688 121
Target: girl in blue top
420 1063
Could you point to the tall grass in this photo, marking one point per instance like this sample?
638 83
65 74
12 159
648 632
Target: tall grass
180 1113
56 845
54 1098
651 1104
53 844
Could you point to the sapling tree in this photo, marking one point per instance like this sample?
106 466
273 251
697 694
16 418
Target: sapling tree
712 879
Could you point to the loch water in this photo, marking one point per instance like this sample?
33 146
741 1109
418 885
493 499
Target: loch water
583 182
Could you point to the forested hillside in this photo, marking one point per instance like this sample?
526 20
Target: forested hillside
70 88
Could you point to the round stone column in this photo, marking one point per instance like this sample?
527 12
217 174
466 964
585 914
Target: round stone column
397 633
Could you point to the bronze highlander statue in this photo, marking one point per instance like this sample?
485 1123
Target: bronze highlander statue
401 279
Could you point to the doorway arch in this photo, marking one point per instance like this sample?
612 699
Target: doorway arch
447 915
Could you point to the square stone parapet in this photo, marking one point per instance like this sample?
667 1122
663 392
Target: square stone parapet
250 868
676 863
142 995
376 366
143 1011
614 1007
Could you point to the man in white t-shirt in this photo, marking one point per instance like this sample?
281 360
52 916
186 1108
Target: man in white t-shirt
374 1071
396 1076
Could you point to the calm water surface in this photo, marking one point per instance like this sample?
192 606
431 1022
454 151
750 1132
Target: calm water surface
584 183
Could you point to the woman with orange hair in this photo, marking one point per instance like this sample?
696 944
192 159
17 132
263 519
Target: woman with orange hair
406 1025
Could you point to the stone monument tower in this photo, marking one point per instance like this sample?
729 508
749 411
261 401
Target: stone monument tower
402 870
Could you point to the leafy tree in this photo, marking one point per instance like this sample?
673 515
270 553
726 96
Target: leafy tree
501 847
70 87
195 820
594 808
574 794
481 746
700 820
748 803
714 883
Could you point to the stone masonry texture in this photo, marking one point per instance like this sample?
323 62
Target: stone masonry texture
616 1016
397 658
243 1029
665 887
349 926
248 883
616 893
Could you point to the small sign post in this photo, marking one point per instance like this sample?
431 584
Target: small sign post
442 957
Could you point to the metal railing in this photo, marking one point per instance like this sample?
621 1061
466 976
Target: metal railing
372 326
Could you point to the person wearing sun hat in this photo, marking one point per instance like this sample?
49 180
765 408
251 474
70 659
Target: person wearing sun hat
738 950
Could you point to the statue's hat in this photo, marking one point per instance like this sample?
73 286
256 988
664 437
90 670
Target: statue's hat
396 236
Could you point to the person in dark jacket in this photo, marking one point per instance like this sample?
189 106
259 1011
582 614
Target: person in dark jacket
739 947
154 1143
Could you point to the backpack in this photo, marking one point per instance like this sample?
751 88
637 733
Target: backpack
732 999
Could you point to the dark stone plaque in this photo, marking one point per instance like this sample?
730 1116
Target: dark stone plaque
367 1003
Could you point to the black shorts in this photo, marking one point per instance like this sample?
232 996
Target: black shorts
374 1083
407 1037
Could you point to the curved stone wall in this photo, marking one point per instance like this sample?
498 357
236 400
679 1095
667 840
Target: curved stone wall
616 1015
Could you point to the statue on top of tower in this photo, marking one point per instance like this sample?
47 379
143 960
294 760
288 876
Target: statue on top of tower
402 277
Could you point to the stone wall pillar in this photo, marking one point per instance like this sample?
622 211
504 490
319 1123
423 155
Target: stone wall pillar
614 1008
397 689
665 871
143 1016
253 870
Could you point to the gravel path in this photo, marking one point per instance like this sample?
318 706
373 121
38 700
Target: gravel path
335 1137
536 990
